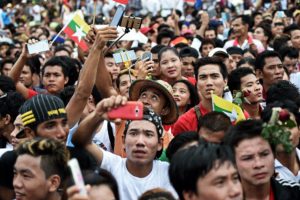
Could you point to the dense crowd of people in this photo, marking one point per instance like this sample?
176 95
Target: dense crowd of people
56 104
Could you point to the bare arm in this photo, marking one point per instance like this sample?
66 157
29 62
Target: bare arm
204 24
88 75
17 70
83 135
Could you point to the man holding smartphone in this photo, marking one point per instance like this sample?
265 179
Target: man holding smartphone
142 141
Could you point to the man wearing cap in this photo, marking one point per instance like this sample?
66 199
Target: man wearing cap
240 26
143 143
42 116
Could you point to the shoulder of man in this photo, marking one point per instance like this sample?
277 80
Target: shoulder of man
284 189
186 122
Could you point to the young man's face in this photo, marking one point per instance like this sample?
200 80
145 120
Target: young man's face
239 28
125 83
156 67
255 161
6 69
154 99
210 34
206 49
30 181
220 183
272 71
295 38
111 67
290 64
187 69
210 80
141 142
56 128
251 83
54 79
26 76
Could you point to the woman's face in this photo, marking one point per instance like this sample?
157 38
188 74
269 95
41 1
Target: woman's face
181 94
170 65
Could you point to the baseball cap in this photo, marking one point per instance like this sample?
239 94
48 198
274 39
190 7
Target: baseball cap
218 51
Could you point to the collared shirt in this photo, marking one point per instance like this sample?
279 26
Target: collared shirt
246 44
285 173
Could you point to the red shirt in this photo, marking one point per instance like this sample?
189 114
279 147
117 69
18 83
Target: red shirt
188 121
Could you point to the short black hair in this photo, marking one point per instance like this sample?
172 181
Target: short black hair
267 30
5 61
249 60
207 41
215 121
260 59
281 91
180 141
280 42
247 129
234 78
188 52
246 19
10 104
165 34
291 28
234 50
210 60
189 165
7 84
57 61
61 48
290 52
157 48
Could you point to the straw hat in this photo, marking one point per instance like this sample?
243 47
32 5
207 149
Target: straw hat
138 86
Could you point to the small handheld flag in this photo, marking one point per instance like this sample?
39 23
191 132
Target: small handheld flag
234 112
122 1
77 29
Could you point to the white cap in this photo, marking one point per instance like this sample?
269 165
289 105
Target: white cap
218 51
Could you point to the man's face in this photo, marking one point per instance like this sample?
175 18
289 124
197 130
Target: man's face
255 161
251 83
272 71
112 68
154 99
187 69
220 183
236 57
156 68
290 64
206 49
29 179
125 83
210 34
54 79
210 80
260 35
56 128
142 142
295 38
26 76
239 28
6 68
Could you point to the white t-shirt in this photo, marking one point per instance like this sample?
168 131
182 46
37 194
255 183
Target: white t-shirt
131 187
101 138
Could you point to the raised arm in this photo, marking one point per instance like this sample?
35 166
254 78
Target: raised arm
88 75
205 21
17 70
84 134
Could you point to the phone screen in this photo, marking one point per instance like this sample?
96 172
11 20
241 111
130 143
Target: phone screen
147 56
117 17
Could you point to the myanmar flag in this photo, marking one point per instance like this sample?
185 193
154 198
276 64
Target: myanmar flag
233 111
77 29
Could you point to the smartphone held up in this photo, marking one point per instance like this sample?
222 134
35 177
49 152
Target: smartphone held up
132 110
